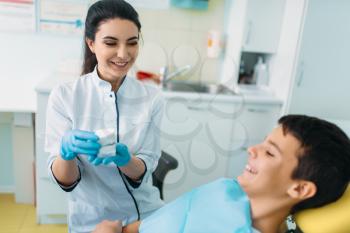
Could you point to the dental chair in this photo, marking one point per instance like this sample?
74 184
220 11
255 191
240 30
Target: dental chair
332 218
166 163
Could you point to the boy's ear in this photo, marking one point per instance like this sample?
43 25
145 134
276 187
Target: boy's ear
90 43
302 190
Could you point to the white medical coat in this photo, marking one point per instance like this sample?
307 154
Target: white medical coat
89 104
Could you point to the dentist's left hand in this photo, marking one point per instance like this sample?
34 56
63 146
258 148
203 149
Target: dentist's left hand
76 142
122 157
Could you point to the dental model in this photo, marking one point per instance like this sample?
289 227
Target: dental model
107 141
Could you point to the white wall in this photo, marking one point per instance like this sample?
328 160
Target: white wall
35 55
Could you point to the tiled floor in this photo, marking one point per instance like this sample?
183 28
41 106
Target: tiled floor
20 218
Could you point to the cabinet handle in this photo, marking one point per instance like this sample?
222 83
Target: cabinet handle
301 74
196 108
258 110
247 39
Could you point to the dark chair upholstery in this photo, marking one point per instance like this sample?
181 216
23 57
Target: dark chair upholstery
166 163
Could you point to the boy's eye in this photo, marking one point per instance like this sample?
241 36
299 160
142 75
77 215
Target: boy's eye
269 153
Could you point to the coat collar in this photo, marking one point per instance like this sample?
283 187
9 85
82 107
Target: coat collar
104 85
129 89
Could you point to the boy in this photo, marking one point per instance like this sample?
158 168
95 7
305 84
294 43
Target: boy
303 163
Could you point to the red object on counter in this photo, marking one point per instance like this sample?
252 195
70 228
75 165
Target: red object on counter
143 75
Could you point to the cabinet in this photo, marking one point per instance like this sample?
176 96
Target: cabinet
262 25
51 201
255 122
209 137
253 26
320 85
198 134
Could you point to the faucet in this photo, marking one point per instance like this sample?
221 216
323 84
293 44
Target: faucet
165 77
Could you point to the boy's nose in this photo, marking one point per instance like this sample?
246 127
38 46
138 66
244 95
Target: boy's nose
253 151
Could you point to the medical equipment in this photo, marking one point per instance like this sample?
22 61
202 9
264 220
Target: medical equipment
76 142
166 163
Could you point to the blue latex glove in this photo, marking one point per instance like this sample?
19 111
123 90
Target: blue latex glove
76 142
121 158
95 160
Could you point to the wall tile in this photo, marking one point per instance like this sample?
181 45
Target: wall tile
165 30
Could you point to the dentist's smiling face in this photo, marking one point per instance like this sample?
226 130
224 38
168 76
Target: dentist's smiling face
270 165
116 47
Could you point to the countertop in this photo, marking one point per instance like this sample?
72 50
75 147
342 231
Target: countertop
20 96
255 98
17 96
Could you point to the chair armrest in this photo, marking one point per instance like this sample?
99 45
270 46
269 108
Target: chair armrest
166 163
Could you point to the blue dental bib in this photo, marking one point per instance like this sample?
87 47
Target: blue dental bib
218 207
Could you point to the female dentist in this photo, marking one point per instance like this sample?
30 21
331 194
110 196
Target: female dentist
105 97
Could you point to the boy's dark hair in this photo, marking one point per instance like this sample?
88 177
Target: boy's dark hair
324 158
99 12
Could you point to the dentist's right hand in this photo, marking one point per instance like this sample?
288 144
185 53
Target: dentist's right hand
76 142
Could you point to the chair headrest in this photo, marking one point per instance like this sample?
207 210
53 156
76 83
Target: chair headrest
333 217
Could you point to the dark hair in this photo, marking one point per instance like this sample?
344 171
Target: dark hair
324 158
99 12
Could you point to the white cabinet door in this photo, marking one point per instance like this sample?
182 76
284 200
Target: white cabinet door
198 134
263 25
322 81
253 124
237 163
209 139
51 201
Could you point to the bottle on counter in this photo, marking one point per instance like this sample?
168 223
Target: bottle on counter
260 76
214 44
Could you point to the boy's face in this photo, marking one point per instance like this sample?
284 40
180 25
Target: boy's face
270 165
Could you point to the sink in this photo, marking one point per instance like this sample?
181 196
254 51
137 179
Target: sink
186 86
182 86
